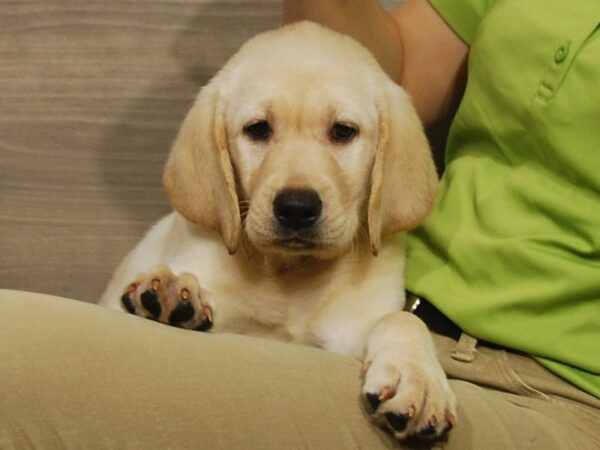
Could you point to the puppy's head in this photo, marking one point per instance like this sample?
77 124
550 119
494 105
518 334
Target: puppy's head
305 137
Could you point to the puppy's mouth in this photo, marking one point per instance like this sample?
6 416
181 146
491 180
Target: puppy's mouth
297 243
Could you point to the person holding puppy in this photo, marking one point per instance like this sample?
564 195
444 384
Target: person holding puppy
508 264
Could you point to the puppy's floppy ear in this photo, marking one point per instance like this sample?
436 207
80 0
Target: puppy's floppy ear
403 178
198 175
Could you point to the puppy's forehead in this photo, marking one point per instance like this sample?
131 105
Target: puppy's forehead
303 53
307 41
303 67
290 95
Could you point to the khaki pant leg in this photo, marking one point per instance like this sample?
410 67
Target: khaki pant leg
79 376
490 419
74 375
509 401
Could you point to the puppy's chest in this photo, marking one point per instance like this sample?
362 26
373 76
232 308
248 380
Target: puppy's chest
279 308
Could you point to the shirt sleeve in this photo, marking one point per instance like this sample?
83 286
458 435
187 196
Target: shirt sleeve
463 16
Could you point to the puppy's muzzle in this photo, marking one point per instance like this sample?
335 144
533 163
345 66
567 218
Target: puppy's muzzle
297 210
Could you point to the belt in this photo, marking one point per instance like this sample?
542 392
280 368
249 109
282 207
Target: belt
435 320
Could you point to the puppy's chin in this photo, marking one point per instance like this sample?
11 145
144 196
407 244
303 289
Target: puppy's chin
278 246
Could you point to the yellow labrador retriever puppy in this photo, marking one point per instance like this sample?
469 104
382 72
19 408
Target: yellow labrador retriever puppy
303 158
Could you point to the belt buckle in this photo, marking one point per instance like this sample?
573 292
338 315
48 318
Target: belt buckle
412 303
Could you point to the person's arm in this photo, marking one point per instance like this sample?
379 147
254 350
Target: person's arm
412 43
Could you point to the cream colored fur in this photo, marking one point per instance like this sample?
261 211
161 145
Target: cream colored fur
221 245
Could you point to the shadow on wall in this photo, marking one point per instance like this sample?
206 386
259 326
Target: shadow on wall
165 72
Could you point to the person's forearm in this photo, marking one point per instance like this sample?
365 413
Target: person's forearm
364 20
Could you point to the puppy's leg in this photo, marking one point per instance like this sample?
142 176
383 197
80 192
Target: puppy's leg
172 299
404 383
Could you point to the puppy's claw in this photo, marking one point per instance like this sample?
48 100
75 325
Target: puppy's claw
208 313
155 284
451 418
386 393
450 422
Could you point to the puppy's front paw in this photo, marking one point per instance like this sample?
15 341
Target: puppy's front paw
171 299
410 398
404 383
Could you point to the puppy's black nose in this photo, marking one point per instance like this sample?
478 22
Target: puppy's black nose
297 208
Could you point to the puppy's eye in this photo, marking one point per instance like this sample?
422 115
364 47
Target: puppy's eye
258 131
342 133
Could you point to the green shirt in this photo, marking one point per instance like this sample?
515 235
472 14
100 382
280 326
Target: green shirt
511 252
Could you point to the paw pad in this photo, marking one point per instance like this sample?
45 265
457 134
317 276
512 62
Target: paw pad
150 301
397 421
181 313
170 299
373 400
